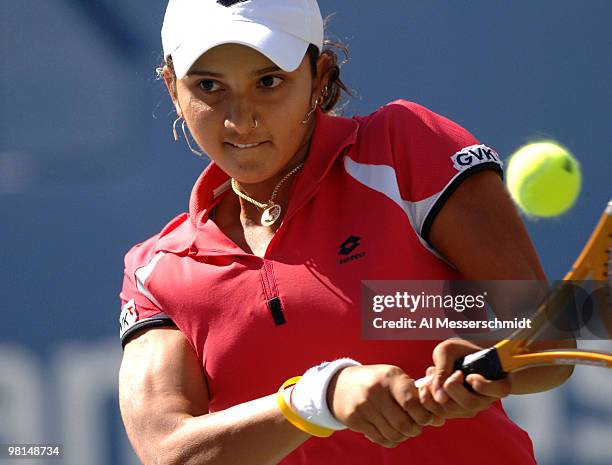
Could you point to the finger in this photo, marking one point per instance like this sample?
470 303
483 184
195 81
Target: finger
406 397
372 433
428 402
444 357
442 412
404 412
469 403
402 423
387 417
486 387
437 421
431 386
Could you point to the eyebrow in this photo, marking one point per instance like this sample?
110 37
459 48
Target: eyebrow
203 72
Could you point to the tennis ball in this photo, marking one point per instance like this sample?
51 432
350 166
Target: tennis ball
543 178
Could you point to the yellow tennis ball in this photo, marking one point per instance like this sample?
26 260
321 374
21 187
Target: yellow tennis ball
543 178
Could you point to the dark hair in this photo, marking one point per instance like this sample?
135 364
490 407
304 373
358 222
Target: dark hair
335 86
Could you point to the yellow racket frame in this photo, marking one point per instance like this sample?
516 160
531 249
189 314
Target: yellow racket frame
593 263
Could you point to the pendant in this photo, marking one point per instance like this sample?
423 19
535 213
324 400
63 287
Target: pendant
270 214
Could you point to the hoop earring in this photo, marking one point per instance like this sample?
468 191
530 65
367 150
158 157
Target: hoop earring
319 101
310 112
174 131
198 153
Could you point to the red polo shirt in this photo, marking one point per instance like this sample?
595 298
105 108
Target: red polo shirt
360 209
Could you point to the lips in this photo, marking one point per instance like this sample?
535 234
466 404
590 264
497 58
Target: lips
246 145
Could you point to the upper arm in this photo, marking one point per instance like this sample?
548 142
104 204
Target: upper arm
480 232
161 383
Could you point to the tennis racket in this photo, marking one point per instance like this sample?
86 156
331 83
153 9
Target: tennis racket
515 353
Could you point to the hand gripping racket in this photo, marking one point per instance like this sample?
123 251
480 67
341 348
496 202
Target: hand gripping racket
515 353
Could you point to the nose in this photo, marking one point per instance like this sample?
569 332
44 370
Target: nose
240 117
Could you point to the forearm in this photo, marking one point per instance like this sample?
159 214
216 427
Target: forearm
543 378
251 433
539 379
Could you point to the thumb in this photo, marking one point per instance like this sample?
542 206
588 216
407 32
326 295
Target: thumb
444 360
486 387
445 355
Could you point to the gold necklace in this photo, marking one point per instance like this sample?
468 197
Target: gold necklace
271 210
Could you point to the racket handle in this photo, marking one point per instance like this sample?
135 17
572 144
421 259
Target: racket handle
484 362
424 381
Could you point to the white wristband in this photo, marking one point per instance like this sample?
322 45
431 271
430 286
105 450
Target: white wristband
309 396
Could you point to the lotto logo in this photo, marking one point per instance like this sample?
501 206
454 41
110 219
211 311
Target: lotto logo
350 244
475 155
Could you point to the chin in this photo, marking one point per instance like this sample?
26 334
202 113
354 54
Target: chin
252 172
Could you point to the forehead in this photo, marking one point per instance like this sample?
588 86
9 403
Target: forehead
232 56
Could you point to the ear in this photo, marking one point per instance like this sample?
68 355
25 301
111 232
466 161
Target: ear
324 63
170 82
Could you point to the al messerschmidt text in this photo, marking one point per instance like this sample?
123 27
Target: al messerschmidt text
447 323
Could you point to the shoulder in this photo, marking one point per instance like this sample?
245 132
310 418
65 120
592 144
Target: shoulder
174 237
410 122
140 308
401 108
414 138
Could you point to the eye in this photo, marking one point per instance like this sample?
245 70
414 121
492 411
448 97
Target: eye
208 85
270 82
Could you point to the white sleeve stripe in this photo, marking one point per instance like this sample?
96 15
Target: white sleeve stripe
383 179
143 273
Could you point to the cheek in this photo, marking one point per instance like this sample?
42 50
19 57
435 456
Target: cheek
286 127
285 122
203 124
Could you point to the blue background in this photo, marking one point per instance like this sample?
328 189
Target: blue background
88 167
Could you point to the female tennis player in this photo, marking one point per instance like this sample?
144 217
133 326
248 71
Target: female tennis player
260 281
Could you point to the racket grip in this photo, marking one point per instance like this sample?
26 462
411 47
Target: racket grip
484 362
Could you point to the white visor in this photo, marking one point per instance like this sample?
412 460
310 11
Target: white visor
281 30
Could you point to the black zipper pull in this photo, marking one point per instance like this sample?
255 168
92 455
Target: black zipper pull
276 308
